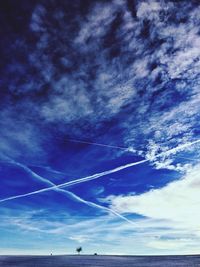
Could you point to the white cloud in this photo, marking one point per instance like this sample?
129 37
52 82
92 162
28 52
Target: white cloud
150 236
80 238
71 105
168 244
96 23
15 137
148 9
177 202
36 23
116 83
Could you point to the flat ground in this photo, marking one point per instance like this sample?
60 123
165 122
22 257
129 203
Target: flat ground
100 261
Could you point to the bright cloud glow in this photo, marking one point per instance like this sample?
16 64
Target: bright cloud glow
177 202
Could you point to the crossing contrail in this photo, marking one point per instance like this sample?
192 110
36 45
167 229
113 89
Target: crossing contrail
101 174
68 193
73 182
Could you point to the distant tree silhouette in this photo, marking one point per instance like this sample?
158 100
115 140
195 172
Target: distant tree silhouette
79 249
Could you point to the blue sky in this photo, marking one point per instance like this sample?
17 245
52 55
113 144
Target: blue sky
100 133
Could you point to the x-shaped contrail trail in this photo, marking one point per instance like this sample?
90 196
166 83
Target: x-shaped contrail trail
98 175
73 182
68 193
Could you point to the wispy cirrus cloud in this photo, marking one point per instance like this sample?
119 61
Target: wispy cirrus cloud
153 54
118 72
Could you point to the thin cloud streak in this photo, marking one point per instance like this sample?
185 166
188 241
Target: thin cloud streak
96 144
98 175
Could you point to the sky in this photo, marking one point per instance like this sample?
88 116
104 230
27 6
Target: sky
100 126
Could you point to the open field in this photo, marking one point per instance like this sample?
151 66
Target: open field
99 261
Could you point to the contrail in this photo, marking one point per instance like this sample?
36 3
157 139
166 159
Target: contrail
94 205
98 175
68 193
96 144
178 148
193 159
73 182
